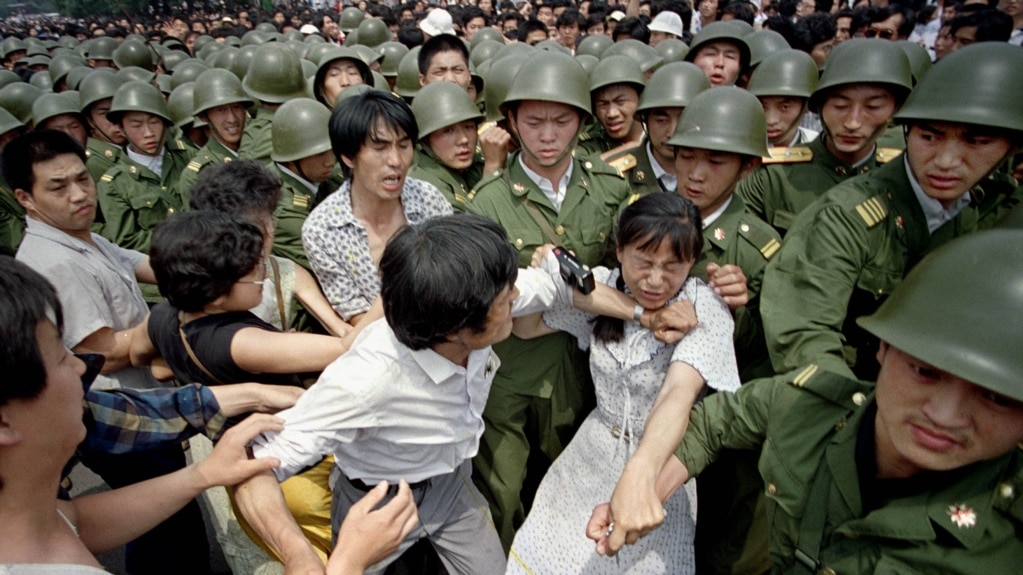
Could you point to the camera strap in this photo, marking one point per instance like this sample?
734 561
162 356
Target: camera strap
545 226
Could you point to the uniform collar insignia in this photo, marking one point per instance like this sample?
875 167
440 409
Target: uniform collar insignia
962 515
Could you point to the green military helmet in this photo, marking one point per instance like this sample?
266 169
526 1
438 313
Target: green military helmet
188 71
101 48
616 70
308 70
549 45
134 53
555 78
135 73
672 50
42 81
274 75
484 51
645 55
53 105
98 85
209 49
334 54
37 60
587 61
486 34
673 85
224 58
763 43
315 53
69 42
864 61
231 41
293 35
74 78
8 122
135 38
351 17
180 103
919 59
351 38
407 84
36 50
216 87
516 48
356 90
11 45
442 104
163 82
8 77
787 72
202 40
368 55
266 28
373 32
379 81
299 47
728 119
172 58
393 53
953 311
240 64
314 39
299 130
61 65
722 32
253 38
499 80
18 98
138 96
594 44
978 85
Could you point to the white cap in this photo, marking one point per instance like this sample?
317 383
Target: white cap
437 22
309 29
667 22
617 16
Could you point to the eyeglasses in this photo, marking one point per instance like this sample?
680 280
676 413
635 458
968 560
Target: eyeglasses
260 266
883 33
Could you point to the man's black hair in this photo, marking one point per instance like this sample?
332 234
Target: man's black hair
992 25
442 276
632 27
529 26
26 299
879 14
740 10
21 153
811 30
242 187
355 120
570 17
438 44
410 36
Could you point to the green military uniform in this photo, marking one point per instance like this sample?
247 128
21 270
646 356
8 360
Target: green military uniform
212 153
995 197
12 221
594 141
454 185
134 199
635 165
256 143
842 257
793 178
102 157
808 422
296 203
543 380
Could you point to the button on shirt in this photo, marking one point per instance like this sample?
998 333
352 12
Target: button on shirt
387 412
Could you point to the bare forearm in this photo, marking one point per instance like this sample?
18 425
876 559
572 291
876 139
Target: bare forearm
261 501
308 292
670 416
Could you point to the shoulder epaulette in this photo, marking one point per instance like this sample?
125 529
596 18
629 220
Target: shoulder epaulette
107 177
885 155
766 243
585 136
624 163
873 211
597 166
194 166
484 181
805 375
788 155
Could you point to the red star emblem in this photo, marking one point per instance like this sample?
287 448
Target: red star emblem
962 515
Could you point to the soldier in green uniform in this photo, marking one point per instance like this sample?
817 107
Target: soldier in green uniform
220 102
60 112
446 156
720 139
542 195
721 51
864 83
141 189
616 84
96 92
303 161
339 67
650 166
852 247
274 77
783 83
12 215
920 473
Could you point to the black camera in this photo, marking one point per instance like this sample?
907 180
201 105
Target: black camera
574 272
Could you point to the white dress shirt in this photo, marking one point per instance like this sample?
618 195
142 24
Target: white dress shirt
387 412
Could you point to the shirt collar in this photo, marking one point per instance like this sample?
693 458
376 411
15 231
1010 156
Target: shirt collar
935 213
45 230
311 186
152 163
439 368
716 213
556 196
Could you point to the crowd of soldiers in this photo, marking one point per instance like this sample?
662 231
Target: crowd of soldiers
828 148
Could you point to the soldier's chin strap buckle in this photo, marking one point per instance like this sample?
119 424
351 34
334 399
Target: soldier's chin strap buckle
804 559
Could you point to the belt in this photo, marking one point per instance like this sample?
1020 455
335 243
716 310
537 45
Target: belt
362 486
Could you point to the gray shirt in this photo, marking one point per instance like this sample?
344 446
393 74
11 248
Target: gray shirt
96 286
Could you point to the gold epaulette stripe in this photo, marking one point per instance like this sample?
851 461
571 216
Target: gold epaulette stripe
872 211
194 166
805 375
106 178
770 248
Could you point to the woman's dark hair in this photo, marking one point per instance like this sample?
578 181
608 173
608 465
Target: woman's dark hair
198 256
443 275
646 223
356 120
26 298
242 187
